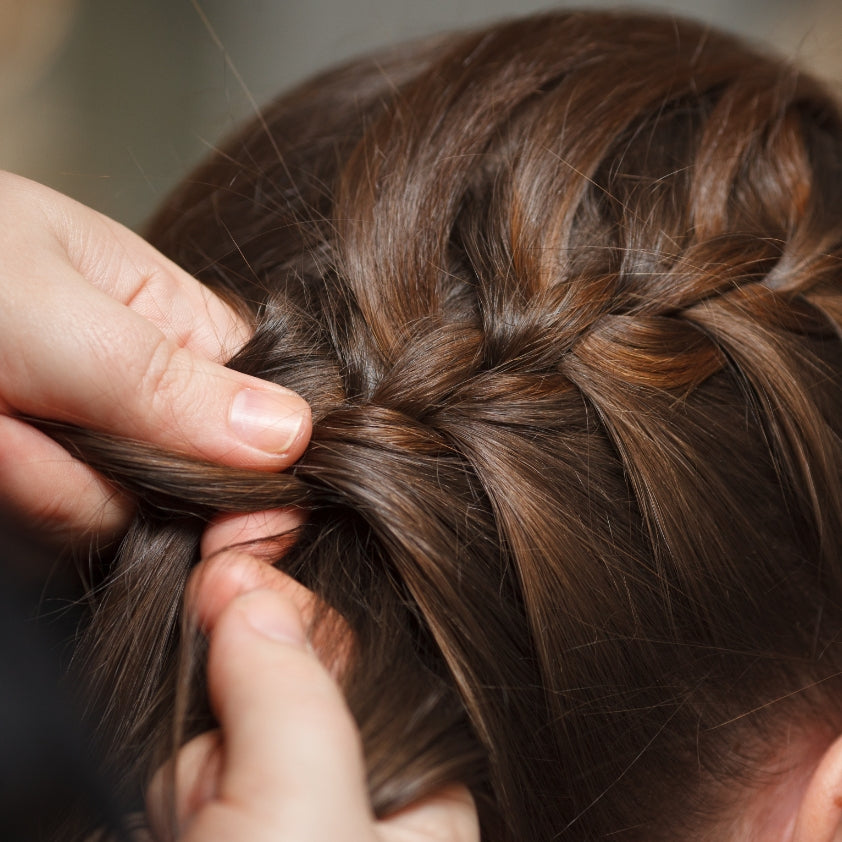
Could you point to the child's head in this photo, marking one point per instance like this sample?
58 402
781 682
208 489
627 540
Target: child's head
565 295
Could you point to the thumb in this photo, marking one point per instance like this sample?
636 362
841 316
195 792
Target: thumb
103 366
287 763
293 765
99 329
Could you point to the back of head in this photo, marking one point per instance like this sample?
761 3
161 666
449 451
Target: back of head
565 296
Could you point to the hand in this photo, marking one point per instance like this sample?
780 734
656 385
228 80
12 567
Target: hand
100 330
287 763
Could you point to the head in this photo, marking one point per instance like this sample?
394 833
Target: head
565 296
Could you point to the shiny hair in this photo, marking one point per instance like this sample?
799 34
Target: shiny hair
564 294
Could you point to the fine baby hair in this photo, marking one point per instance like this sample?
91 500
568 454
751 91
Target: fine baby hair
565 295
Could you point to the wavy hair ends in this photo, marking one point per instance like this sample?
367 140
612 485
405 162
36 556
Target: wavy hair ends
564 294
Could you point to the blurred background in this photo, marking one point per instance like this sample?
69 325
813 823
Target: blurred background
112 101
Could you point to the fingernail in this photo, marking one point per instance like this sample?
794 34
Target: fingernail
267 420
271 620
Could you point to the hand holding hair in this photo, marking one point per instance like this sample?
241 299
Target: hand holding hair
100 330
287 763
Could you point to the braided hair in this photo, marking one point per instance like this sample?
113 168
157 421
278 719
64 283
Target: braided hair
565 296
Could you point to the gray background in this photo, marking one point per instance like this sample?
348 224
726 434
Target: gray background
112 101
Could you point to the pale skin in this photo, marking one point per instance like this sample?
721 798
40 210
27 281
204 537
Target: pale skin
287 763
100 330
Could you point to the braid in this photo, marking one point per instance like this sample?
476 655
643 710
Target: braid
564 297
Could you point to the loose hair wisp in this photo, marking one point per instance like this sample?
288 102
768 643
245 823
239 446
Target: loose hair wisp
564 295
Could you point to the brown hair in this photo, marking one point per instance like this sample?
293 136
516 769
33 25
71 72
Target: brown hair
564 295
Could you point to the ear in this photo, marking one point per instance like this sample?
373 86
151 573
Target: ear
819 816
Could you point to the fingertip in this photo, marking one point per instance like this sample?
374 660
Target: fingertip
271 420
273 616
238 551
214 583
267 527
218 580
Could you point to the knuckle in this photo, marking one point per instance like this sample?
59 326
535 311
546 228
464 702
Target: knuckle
153 294
163 377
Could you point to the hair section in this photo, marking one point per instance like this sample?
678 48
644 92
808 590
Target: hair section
564 294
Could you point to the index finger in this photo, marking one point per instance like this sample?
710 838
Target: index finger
128 269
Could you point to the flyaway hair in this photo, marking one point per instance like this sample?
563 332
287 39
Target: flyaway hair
565 295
